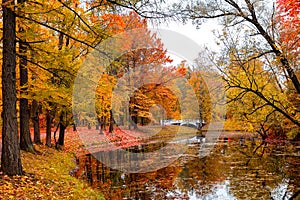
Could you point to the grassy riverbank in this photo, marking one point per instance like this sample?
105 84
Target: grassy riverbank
47 176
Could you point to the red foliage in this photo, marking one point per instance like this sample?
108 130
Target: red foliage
290 23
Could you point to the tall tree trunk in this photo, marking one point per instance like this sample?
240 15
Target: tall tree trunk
62 129
48 128
62 125
133 113
279 53
61 137
100 124
36 122
104 123
97 123
10 159
25 138
111 122
200 117
142 121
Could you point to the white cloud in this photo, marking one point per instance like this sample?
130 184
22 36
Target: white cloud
203 36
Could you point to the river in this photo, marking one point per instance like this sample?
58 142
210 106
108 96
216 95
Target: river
235 168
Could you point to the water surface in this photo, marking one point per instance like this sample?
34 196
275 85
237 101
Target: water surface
235 169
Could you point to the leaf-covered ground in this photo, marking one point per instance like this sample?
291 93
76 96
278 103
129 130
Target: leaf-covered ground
47 175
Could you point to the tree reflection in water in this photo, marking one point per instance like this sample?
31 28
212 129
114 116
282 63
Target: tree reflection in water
253 170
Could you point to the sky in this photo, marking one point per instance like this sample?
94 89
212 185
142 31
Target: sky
202 36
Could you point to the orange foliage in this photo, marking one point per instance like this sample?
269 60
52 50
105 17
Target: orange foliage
290 22
119 23
144 52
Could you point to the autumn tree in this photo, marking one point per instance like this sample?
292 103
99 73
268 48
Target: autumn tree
253 84
289 24
145 52
288 18
47 20
246 86
164 91
202 93
238 14
31 56
25 137
35 113
255 23
249 33
10 158
55 53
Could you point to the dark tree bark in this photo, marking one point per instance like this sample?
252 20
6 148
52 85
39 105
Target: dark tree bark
103 125
62 125
25 138
48 128
36 122
111 122
10 159
61 40
100 124
295 195
62 129
200 117
74 127
97 123
133 114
